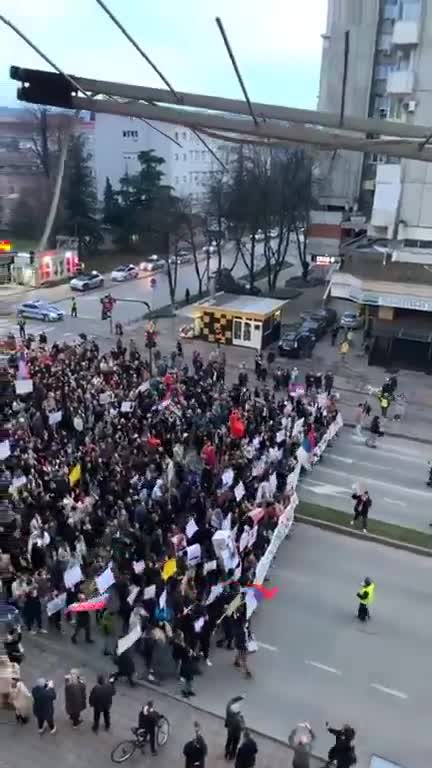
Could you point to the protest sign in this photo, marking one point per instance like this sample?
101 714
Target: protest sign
226 523
72 576
23 386
104 581
78 423
193 554
138 567
214 593
57 604
239 491
55 417
169 568
210 566
150 592
104 398
4 450
18 482
198 624
132 595
128 640
75 475
127 406
227 478
191 528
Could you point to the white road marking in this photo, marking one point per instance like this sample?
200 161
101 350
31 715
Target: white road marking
267 647
340 458
396 501
330 490
324 667
390 691
372 481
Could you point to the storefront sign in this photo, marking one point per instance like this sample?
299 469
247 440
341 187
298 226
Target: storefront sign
391 300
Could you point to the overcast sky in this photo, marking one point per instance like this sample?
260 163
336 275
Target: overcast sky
277 44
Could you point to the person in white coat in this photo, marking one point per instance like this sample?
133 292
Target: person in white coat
21 699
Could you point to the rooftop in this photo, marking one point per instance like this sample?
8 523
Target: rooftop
371 266
257 305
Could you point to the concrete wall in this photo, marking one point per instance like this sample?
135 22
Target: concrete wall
343 170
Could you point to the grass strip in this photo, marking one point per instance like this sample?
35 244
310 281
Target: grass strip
376 527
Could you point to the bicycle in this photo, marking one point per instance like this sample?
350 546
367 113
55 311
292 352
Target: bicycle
125 749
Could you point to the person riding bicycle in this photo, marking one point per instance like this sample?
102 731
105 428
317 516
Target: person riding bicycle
148 719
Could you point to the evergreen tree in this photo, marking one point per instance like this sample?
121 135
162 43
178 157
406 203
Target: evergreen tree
80 199
111 208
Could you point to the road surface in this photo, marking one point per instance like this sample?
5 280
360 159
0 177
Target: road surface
395 474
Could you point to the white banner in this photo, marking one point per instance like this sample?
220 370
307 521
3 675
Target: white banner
57 604
72 576
128 640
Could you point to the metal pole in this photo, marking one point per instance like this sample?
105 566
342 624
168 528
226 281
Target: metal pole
236 69
344 77
150 359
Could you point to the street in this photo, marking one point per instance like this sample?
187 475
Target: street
395 474
315 661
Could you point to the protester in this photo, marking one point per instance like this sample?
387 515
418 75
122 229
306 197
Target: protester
363 503
234 723
148 719
75 696
247 752
44 696
21 700
301 740
342 753
195 750
101 696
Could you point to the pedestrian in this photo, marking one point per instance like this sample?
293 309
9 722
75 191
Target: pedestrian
21 699
342 752
75 696
195 750
241 641
148 719
12 645
363 503
334 335
328 383
125 667
375 431
187 296
82 623
359 420
344 349
258 365
22 327
101 696
106 624
44 696
365 596
247 752
74 309
301 740
32 611
234 723
384 402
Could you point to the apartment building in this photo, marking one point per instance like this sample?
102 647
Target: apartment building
389 77
188 168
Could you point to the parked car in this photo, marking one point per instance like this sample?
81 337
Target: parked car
326 315
152 264
316 326
294 342
40 310
120 274
351 320
85 281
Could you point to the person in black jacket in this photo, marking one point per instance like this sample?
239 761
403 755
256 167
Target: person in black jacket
363 503
234 723
43 704
12 645
342 752
148 719
195 750
101 696
125 667
82 623
247 752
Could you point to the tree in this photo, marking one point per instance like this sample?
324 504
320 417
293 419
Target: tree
80 199
215 211
190 225
111 207
24 221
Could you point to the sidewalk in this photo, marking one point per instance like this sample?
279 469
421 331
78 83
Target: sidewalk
52 659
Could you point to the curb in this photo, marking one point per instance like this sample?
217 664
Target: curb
180 700
325 525
398 435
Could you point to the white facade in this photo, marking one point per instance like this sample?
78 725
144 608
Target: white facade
118 141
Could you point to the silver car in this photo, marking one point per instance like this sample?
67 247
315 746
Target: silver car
40 310
351 320
86 281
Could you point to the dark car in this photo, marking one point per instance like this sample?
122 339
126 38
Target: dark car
316 328
296 342
316 321
326 315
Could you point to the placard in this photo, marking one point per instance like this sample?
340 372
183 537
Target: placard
128 640
239 491
78 423
214 593
104 398
191 528
226 522
57 604
55 417
72 576
198 624
169 568
210 565
127 406
75 475
138 567
150 592
132 595
4 450
18 482
193 554
23 386
227 478
104 581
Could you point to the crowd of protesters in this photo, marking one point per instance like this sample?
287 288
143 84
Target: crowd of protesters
178 482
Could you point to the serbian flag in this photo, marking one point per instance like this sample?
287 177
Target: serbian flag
262 593
94 604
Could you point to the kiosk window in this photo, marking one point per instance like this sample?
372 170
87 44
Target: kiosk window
237 329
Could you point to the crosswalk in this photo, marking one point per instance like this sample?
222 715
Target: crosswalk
395 474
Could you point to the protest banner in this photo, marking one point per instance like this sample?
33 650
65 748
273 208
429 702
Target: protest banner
4 450
23 386
191 528
55 417
150 592
72 576
127 406
57 604
105 580
128 640
193 554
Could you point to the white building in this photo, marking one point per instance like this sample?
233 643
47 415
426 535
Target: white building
118 141
389 77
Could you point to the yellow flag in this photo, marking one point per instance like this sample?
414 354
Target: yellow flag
75 475
169 569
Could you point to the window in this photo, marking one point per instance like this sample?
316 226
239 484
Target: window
382 71
247 331
176 180
184 156
410 11
176 136
176 157
184 179
203 154
191 155
390 10
237 330
184 136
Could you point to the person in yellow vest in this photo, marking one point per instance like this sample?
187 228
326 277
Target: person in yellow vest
365 596
384 403
344 349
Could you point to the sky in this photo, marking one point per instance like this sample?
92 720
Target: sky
277 44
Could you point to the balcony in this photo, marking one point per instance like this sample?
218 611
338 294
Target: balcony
401 82
406 33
